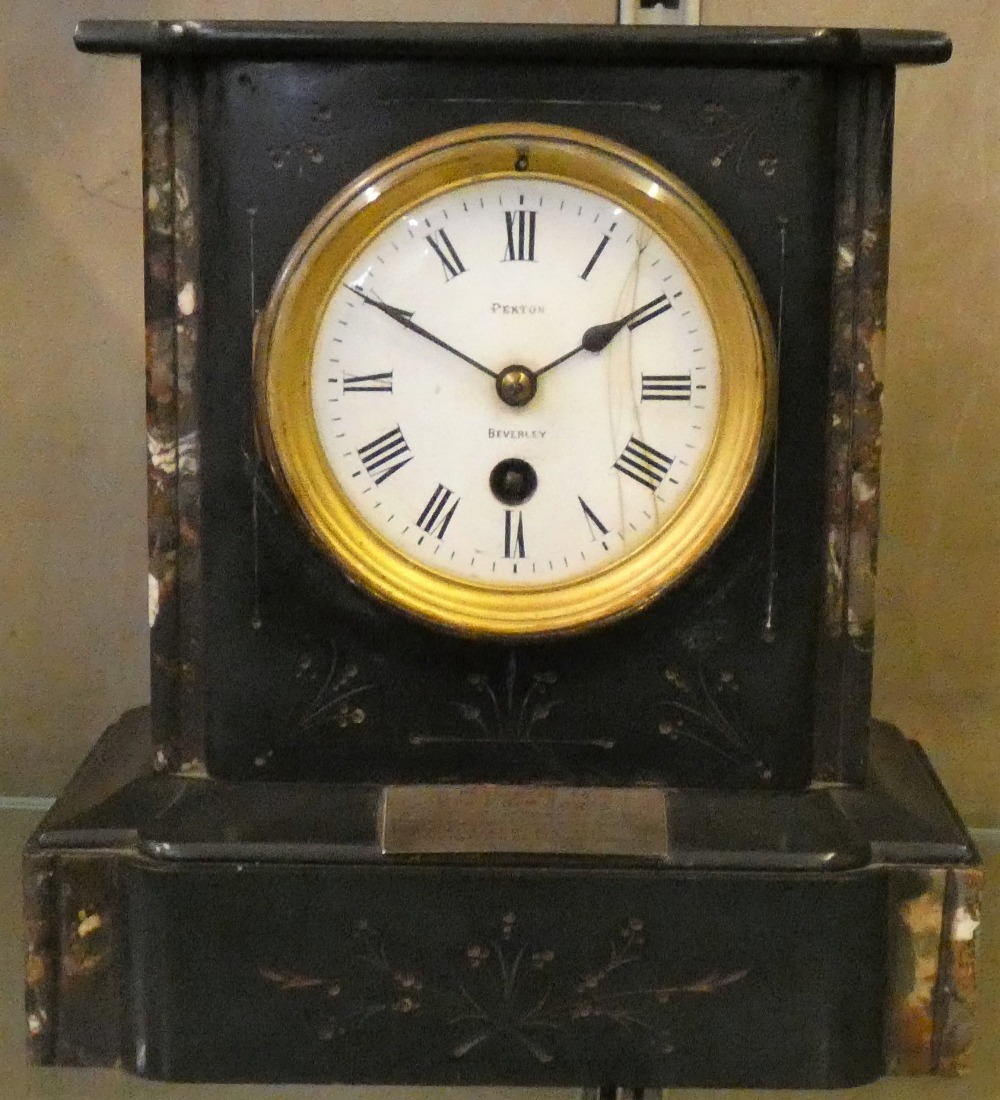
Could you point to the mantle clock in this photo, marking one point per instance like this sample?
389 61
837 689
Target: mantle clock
514 427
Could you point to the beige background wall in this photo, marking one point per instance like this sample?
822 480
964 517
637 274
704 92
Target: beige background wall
72 569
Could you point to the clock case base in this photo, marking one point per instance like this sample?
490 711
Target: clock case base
187 928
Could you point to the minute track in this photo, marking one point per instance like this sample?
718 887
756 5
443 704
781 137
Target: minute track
597 531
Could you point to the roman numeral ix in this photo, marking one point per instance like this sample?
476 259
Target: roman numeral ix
434 519
368 383
520 235
643 463
666 387
453 266
381 455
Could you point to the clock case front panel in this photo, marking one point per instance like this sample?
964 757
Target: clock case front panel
268 663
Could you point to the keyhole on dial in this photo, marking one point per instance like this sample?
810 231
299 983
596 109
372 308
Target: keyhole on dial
513 481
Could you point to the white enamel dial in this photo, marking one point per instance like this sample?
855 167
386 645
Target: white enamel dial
458 293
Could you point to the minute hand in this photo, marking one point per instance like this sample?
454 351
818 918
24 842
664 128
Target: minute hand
403 316
597 337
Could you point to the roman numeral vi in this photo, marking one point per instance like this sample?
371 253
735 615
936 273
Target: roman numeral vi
513 535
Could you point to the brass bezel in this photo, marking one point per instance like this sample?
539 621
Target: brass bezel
355 216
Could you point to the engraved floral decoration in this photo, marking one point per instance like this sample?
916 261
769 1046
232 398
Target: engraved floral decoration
504 990
331 692
301 156
328 695
511 710
507 709
733 134
702 707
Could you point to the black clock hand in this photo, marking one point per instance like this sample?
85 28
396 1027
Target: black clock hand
403 317
597 337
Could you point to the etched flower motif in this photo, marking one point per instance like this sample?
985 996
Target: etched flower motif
703 636
335 691
508 706
706 715
347 715
523 1006
672 676
477 955
541 959
350 673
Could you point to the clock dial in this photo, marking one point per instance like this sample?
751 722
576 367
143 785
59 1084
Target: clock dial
515 381
511 274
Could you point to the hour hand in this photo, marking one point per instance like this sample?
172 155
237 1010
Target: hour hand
597 337
404 317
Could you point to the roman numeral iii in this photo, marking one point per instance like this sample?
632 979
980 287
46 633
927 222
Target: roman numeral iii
368 383
385 455
513 535
520 235
666 387
434 519
453 266
643 463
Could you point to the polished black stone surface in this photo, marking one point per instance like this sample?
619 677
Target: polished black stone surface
484 41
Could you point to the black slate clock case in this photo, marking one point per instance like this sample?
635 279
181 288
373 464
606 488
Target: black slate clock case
737 696
673 850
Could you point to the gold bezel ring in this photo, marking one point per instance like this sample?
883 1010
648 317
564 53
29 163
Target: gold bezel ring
318 263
